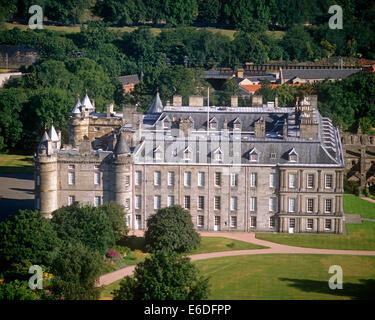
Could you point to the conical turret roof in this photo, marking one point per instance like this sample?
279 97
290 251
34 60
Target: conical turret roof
45 137
121 145
53 134
76 109
87 103
156 106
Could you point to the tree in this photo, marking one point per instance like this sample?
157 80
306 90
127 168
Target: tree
76 270
229 88
116 214
164 276
209 11
298 43
180 12
26 239
171 229
248 48
7 9
17 290
87 224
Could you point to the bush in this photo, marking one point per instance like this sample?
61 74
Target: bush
116 214
351 187
17 290
171 229
367 192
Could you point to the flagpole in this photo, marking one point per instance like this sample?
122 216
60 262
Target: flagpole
208 110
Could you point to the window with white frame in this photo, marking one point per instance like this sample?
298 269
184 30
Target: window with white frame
253 157
233 203
292 180
271 222
217 203
253 204
127 204
71 200
187 202
253 179
272 204
170 201
201 179
97 201
138 178
272 180
310 224
292 205
328 224
171 178
328 181
233 222
187 154
71 167
157 155
157 202
71 178
187 179
218 179
234 179
127 180
310 181
253 222
97 178
200 202
200 221
328 205
310 205
138 202
292 223
157 178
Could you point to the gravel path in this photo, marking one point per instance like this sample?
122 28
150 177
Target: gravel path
273 248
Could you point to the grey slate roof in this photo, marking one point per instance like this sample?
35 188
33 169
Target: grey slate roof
121 145
132 78
318 73
156 106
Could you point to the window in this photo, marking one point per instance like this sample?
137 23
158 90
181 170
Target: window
187 179
96 177
253 179
237 125
253 222
157 178
272 204
272 180
292 205
157 201
328 181
200 203
293 158
233 203
310 205
310 181
218 156
234 179
127 220
138 201
138 178
157 155
200 221
97 201
292 223
37 180
217 203
253 204
71 200
253 157
328 224
271 222
96 129
171 178
71 178
213 124
170 201
37 204
310 224
187 154
201 179
218 179
71 167
292 180
187 202
328 206
127 180
233 222
127 204
273 156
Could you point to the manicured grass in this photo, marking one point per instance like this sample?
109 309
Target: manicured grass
106 292
288 276
359 237
356 205
11 163
217 244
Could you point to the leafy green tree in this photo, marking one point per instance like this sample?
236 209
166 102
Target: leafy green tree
26 236
171 229
229 88
117 216
7 9
209 11
180 12
298 43
248 48
17 290
365 125
164 276
76 270
87 224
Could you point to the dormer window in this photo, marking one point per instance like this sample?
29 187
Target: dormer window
273 155
157 153
166 123
293 156
213 123
218 155
237 124
253 155
187 154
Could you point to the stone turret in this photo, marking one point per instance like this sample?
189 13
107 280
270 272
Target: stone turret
260 128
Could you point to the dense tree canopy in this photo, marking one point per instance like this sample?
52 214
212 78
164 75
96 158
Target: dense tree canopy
164 276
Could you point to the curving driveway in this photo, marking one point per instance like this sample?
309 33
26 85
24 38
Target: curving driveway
273 248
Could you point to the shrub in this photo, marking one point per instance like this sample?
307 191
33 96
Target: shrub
116 214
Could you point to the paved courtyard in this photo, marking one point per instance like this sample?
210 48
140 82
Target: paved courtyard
16 192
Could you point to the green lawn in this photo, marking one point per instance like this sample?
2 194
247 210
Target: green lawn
11 163
356 205
106 291
359 237
288 276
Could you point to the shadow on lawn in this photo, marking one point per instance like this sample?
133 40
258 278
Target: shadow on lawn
356 291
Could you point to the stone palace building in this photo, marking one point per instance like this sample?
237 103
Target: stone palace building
265 168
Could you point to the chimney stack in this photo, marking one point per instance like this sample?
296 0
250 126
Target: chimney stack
195 101
109 110
256 101
177 101
260 128
234 101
